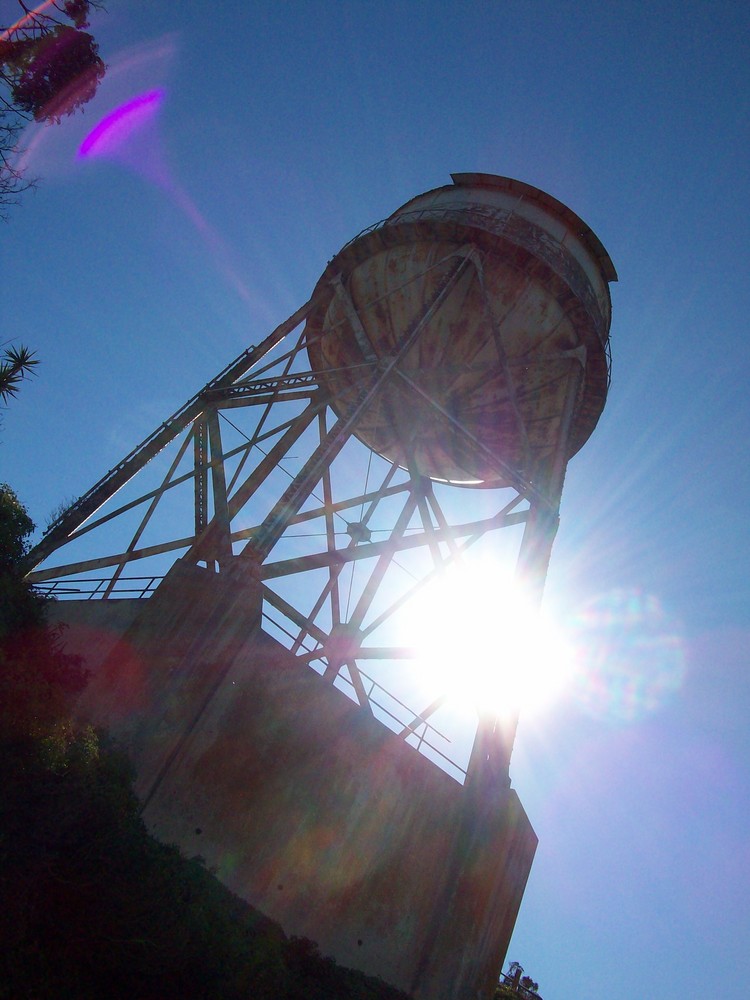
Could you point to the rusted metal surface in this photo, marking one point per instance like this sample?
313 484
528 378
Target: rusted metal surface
494 357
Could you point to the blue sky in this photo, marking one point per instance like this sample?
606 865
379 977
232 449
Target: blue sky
285 130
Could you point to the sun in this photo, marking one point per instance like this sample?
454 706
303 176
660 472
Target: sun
481 639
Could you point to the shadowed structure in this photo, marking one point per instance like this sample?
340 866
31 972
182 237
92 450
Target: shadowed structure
425 401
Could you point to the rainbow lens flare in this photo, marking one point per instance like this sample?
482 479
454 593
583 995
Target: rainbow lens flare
630 656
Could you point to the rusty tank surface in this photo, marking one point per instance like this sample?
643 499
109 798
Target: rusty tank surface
477 295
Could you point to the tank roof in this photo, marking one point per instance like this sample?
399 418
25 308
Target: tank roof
530 193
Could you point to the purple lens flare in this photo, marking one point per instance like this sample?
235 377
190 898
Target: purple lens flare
116 127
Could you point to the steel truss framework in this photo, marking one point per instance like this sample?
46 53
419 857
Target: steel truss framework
257 466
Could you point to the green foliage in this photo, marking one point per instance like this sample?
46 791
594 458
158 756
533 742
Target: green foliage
16 364
36 676
15 528
91 905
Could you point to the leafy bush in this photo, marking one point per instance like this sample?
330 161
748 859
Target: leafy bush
91 905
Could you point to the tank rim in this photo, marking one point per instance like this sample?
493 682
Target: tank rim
530 193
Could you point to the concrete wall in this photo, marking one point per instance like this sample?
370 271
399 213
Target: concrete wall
304 804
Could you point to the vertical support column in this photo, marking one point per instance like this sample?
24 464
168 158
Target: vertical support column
490 758
201 474
544 512
222 538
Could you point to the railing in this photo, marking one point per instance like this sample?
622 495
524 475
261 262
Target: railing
402 721
510 984
379 697
90 588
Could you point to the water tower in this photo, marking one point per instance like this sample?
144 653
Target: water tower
240 581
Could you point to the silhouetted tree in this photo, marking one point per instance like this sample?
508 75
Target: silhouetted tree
49 67
36 676
16 364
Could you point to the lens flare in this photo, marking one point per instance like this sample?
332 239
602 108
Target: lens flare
124 137
116 128
630 657
27 20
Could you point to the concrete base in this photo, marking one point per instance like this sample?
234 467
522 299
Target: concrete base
302 802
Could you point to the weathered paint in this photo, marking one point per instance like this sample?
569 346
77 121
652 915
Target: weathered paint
487 374
304 804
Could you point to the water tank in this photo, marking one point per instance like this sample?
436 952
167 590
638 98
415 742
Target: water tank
448 332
